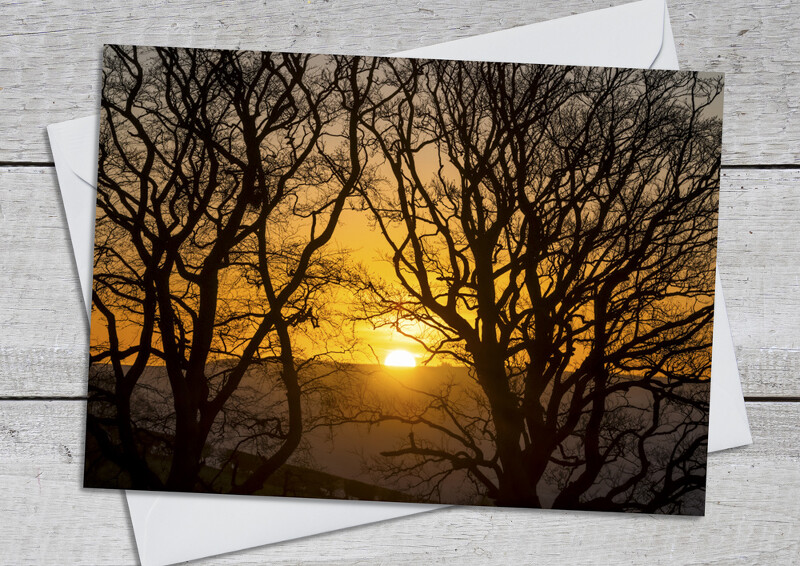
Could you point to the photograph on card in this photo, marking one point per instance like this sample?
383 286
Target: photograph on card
406 280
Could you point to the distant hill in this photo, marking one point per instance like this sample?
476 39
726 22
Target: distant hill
297 481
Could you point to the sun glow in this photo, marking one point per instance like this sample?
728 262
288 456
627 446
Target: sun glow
400 359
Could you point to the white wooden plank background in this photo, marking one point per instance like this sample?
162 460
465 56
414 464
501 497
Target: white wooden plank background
49 62
49 51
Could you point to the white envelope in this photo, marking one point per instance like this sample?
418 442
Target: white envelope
176 527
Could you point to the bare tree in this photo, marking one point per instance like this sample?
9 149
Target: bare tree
221 176
553 229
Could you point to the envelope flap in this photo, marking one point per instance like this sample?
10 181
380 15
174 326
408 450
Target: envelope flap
630 35
175 527
74 146
78 142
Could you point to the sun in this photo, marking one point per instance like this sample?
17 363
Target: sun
400 359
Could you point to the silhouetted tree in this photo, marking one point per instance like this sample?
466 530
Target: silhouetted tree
221 176
554 230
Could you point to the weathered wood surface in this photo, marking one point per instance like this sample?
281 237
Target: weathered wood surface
50 51
45 337
49 61
751 517
759 262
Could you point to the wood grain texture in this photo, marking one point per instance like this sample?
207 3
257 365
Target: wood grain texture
757 45
45 336
44 345
751 517
759 262
50 51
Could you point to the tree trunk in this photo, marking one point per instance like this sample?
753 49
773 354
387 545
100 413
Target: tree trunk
515 485
187 449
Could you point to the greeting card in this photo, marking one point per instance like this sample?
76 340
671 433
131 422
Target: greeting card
403 280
